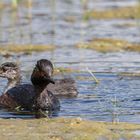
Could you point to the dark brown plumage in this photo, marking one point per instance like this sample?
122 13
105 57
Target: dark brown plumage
32 97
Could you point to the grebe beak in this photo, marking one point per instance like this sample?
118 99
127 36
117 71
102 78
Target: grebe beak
50 80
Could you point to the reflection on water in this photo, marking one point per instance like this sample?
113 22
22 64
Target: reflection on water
24 114
115 98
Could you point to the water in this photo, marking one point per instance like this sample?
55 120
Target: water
48 18
116 97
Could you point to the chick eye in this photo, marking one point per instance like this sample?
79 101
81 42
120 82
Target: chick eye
4 69
36 69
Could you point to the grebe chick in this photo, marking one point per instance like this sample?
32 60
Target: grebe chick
11 71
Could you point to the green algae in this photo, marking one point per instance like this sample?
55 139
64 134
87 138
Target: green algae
131 12
109 45
130 74
65 129
25 48
126 25
60 70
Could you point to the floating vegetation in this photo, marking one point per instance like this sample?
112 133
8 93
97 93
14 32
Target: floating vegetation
131 12
133 47
25 48
126 25
64 70
109 45
60 129
130 74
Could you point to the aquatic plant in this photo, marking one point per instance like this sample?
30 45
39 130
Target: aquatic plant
29 5
129 74
131 12
92 75
1 13
109 45
15 3
26 48
69 129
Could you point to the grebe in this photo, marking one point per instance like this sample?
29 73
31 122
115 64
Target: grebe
33 96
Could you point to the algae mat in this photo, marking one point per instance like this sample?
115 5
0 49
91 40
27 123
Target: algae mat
109 45
65 129
131 12
26 48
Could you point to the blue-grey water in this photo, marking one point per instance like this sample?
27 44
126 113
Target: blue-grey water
116 97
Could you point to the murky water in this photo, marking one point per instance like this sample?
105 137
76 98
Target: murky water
115 98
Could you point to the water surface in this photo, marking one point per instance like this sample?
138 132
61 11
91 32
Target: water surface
116 97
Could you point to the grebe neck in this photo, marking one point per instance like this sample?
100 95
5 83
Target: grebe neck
12 83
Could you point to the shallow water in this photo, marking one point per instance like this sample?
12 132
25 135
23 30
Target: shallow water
52 24
115 98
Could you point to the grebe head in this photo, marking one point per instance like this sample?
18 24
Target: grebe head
9 70
42 73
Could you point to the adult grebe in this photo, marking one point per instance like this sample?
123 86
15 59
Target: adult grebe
28 96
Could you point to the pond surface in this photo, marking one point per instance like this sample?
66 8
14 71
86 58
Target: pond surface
116 97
